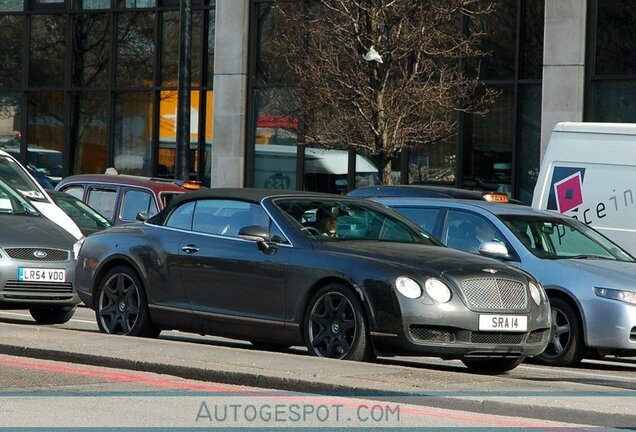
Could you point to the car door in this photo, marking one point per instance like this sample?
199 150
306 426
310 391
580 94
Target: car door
466 230
226 276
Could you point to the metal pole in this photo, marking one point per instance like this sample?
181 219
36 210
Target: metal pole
182 163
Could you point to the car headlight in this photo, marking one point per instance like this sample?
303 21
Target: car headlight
624 296
535 293
77 246
437 290
408 287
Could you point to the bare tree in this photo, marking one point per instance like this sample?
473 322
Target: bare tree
381 76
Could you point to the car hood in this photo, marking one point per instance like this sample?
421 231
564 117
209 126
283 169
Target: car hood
435 259
33 231
599 271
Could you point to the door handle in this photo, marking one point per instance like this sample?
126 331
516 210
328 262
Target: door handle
190 249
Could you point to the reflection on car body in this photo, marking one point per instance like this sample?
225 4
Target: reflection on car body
246 263
588 278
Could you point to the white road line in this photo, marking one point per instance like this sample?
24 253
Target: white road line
29 316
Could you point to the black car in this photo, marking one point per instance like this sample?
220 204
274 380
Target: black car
256 265
427 191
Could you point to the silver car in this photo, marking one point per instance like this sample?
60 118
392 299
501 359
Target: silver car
37 261
590 281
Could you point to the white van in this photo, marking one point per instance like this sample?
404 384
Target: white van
589 172
16 176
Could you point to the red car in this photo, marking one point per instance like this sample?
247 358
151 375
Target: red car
119 198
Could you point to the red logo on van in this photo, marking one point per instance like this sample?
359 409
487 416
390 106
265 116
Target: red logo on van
567 189
569 193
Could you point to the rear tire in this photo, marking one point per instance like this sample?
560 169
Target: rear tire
53 314
566 346
492 365
121 306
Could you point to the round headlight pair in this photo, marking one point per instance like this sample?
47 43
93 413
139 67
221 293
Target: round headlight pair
435 288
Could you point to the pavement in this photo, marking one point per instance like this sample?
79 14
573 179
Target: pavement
583 397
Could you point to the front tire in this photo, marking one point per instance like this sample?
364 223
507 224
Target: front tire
335 325
493 365
121 306
566 346
53 314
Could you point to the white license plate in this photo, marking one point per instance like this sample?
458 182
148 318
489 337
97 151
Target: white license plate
26 274
512 323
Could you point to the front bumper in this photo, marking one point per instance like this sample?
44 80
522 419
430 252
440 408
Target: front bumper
610 324
451 330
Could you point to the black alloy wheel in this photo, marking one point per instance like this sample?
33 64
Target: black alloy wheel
335 325
566 345
53 314
121 306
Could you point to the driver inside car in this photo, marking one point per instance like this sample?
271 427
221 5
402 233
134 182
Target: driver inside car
326 223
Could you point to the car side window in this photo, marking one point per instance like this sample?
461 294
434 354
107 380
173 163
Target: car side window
134 202
424 217
181 217
76 191
227 217
466 231
103 200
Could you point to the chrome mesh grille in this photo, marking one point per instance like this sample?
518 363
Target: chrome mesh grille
497 338
26 254
493 293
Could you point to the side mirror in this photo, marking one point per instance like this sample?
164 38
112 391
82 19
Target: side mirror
494 249
258 234
142 216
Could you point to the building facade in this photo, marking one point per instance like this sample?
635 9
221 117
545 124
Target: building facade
89 84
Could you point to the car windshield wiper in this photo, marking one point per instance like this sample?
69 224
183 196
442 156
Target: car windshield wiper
585 256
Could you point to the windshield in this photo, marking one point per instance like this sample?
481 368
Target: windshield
11 202
554 238
334 220
15 176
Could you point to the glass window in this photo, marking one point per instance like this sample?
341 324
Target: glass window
434 162
135 202
136 3
270 64
181 217
613 101
10 119
92 4
529 141
500 29
225 217
616 20
466 231
76 191
46 134
135 49
532 39
12 5
103 200
211 31
275 146
170 48
89 132
91 49
424 217
47 50
489 162
133 133
11 48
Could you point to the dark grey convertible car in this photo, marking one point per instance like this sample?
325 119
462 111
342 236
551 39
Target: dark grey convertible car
37 262
262 266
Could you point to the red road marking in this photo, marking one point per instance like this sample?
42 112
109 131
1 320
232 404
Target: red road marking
485 419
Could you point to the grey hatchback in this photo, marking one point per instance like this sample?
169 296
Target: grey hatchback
589 280
37 261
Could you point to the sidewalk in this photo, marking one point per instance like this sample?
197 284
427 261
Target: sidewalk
525 392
